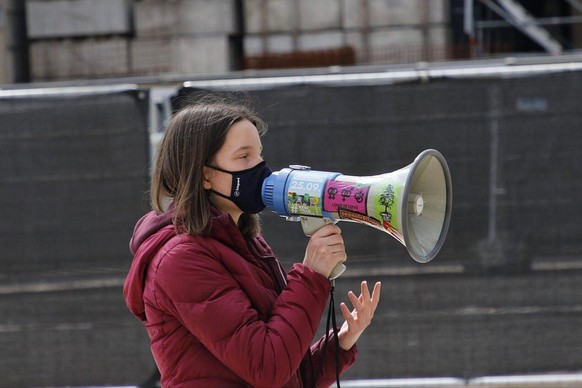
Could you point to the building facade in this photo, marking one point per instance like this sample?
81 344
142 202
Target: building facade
51 40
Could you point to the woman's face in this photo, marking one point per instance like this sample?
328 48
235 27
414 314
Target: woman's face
242 149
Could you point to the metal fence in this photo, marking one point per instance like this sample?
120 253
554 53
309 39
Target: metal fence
502 298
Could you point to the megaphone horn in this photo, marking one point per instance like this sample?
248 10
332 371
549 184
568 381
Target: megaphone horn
412 204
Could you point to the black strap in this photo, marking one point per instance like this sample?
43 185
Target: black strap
331 320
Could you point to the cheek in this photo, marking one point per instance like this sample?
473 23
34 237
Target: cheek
222 183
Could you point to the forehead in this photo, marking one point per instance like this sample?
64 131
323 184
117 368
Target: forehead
242 135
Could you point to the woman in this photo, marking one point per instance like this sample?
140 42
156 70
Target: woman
218 307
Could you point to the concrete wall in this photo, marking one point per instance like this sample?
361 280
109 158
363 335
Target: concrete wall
192 36
121 37
380 31
73 18
88 58
128 37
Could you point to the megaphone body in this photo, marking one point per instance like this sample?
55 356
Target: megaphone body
412 204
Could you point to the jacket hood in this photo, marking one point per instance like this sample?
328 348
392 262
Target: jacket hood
146 227
153 231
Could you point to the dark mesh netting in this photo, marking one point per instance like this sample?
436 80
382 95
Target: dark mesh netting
74 172
502 297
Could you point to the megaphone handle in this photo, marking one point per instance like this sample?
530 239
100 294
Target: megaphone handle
311 225
337 271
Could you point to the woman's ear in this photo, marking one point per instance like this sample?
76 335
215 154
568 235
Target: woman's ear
207 173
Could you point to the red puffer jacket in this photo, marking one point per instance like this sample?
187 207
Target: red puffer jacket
221 313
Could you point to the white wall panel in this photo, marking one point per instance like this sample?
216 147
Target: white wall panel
69 18
184 17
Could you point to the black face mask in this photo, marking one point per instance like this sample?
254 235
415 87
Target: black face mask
246 187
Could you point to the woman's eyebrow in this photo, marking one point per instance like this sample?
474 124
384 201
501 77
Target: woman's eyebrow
246 148
242 148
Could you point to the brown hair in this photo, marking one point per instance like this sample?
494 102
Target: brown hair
191 140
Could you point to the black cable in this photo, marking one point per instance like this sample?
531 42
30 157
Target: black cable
330 321
334 325
326 341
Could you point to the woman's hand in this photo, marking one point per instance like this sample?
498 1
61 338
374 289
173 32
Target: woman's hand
325 250
360 317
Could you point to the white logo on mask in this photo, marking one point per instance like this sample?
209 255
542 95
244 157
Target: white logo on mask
237 188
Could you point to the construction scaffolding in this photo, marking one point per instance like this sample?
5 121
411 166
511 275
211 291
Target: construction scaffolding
512 14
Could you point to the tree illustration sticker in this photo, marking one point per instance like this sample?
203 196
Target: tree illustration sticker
386 199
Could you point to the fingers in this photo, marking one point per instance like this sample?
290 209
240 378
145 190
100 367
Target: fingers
356 302
327 230
328 240
332 245
366 304
325 250
358 320
375 298
376 294
365 295
346 313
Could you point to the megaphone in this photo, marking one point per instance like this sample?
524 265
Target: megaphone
412 204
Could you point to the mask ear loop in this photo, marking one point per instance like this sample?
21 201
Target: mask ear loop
221 170
218 168
234 172
219 194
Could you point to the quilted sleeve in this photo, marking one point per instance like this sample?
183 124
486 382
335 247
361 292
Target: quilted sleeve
208 300
327 354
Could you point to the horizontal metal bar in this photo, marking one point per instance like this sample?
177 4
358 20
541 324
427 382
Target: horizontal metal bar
482 24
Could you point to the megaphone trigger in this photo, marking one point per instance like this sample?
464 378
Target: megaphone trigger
311 225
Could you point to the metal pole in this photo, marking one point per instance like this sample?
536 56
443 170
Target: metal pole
426 47
265 25
469 26
295 23
238 49
17 41
365 29
494 115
